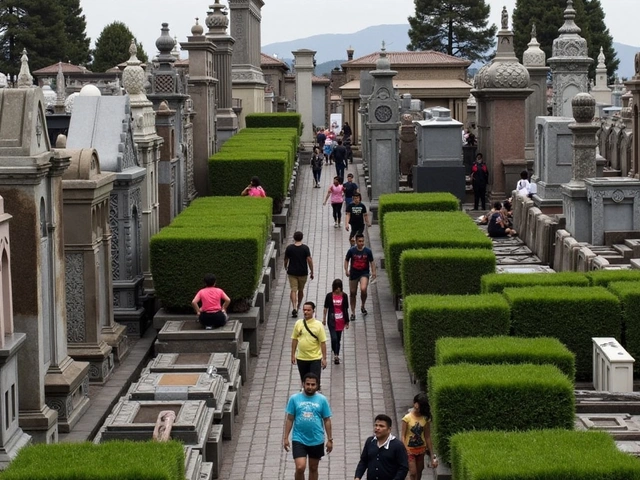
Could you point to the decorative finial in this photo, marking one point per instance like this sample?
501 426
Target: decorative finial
383 46
197 30
569 20
60 86
505 18
25 80
533 31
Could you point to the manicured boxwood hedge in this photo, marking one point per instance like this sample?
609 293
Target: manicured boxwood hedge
497 282
573 315
498 350
411 230
407 202
445 271
540 455
271 120
468 397
602 278
629 295
429 317
111 460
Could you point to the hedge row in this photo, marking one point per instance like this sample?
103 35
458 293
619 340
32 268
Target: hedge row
629 295
500 350
407 202
497 282
202 239
540 455
445 271
573 315
410 230
429 317
468 397
274 120
124 460
602 278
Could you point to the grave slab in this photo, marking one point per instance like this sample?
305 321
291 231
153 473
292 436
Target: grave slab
180 386
188 336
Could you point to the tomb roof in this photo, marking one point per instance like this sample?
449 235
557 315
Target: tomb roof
66 68
421 59
269 61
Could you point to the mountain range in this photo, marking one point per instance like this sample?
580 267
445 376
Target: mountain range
332 48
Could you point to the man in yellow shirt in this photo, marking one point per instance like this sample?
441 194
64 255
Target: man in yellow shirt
309 343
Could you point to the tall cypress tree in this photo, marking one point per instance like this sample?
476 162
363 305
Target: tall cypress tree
459 28
600 36
77 48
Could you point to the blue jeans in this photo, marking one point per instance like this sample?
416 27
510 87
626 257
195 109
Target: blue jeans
336 337
316 175
340 171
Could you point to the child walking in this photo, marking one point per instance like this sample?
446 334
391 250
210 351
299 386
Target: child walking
416 436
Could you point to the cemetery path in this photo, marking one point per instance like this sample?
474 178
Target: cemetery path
372 378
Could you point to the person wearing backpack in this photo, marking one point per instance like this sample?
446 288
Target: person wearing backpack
317 160
309 343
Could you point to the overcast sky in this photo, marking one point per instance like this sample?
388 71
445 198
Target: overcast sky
284 20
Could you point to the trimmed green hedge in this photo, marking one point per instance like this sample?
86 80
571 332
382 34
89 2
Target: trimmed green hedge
601 278
629 295
411 230
407 202
468 397
497 282
540 455
429 317
274 120
498 350
573 315
122 460
445 271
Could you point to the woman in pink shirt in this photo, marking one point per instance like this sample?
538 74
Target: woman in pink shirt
254 189
336 308
336 192
211 304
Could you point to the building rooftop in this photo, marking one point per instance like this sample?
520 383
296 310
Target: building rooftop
269 61
66 68
423 58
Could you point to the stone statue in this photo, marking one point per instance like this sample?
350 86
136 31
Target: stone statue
164 424
533 31
505 19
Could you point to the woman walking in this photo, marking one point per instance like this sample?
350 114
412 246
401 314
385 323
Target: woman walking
317 160
335 314
416 436
336 193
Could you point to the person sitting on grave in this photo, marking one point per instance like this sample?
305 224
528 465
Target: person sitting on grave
211 303
499 224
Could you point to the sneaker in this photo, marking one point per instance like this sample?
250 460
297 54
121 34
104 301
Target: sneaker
209 327
294 313
364 311
353 317
336 360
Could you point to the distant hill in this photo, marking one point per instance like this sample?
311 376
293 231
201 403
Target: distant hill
332 46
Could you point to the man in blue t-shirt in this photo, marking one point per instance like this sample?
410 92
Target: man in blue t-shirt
309 414
350 188
358 266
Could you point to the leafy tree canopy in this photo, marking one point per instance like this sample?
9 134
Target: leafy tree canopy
548 16
454 27
112 47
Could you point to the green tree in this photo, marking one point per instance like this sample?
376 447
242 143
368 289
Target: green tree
454 27
112 47
548 16
49 31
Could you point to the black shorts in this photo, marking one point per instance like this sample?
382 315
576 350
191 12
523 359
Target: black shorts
301 450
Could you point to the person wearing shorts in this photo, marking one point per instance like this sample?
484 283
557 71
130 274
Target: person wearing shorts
210 304
359 266
297 263
355 218
308 414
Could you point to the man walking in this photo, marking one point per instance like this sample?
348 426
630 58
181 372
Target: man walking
355 217
350 189
297 263
309 415
362 266
340 157
309 344
383 455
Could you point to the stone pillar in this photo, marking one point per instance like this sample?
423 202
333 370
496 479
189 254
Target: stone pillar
202 85
576 206
366 89
227 120
248 79
601 92
534 60
12 438
383 123
633 86
569 64
147 143
304 60
501 89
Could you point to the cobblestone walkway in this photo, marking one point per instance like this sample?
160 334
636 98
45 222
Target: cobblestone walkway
372 378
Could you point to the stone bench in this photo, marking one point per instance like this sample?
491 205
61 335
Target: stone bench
188 336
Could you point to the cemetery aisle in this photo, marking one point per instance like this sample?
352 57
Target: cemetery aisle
371 379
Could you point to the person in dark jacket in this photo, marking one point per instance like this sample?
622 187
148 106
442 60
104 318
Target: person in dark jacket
346 130
336 315
479 180
383 456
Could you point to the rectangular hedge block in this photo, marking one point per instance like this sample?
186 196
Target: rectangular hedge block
573 315
497 282
629 295
601 278
499 350
445 271
429 317
540 455
468 397
411 230
271 120
122 460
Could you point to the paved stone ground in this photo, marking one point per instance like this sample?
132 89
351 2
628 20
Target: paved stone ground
373 377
